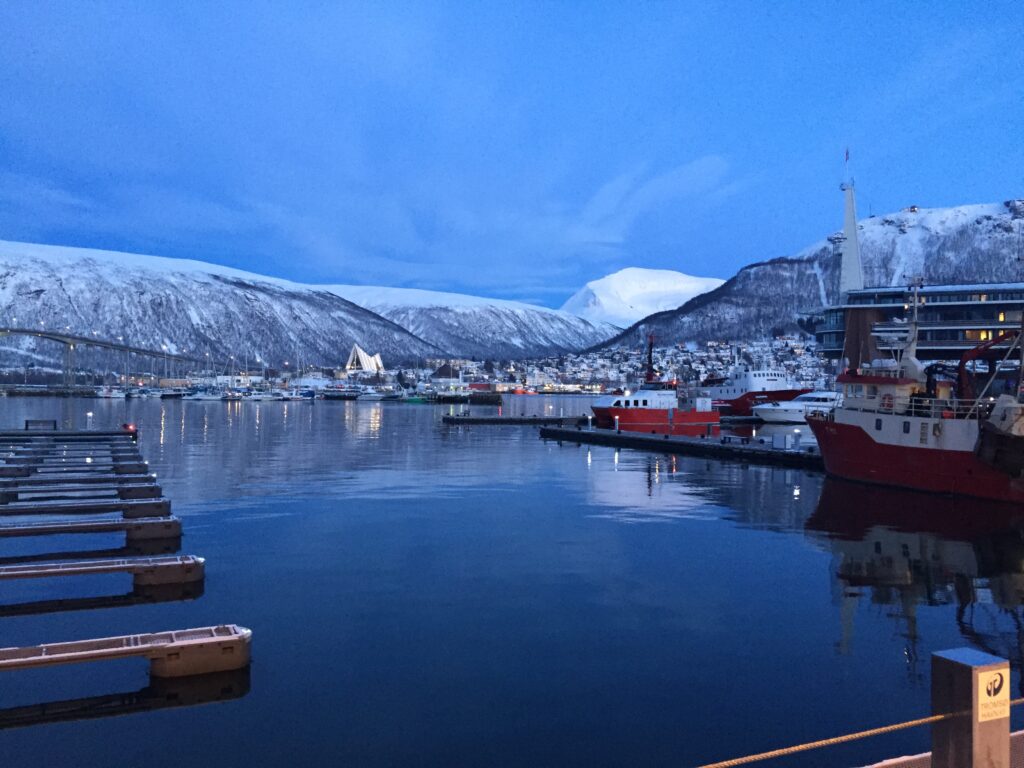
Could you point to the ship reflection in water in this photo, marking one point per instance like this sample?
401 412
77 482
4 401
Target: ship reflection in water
911 550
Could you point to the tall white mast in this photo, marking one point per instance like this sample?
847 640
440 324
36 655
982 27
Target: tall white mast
851 272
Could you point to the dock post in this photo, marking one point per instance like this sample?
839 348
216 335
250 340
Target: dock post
977 686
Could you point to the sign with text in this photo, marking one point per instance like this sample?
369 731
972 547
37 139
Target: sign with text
993 695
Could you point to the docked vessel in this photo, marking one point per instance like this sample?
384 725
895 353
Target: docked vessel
795 411
745 387
905 424
656 408
348 392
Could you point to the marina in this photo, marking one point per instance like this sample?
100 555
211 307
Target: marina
63 474
632 534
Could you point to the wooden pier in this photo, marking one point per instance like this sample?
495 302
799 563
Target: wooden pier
69 474
146 571
138 529
171 654
129 508
731 448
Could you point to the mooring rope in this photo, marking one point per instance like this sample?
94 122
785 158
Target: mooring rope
843 739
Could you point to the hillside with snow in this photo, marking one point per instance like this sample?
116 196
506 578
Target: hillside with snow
964 244
478 327
624 297
194 308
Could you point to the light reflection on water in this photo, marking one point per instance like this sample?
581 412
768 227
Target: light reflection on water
472 595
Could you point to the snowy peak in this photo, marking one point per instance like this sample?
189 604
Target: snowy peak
624 297
475 326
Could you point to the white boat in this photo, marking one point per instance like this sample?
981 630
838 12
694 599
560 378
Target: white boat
202 394
795 411
111 393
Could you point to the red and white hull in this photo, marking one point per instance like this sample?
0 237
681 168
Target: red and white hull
657 421
929 454
744 404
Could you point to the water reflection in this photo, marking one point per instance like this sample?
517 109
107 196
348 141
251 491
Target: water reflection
159 694
907 550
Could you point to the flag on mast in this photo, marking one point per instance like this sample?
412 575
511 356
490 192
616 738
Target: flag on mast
847 154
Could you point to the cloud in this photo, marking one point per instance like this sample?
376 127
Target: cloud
612 212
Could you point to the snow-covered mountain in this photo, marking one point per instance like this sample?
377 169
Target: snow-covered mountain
626 296
969 243
192 307
473 326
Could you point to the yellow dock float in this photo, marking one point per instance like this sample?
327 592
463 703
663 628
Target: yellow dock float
146 571
138 529
177 653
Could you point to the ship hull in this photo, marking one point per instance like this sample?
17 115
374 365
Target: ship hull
658 421
850 452
744 404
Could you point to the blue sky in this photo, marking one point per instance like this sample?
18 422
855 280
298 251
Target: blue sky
505 149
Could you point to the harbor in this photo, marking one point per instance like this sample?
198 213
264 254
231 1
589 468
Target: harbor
345 542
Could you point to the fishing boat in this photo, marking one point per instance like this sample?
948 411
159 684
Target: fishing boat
746 386
656 408
906 424
795 411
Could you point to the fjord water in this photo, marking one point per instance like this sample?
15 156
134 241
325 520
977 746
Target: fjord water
429 595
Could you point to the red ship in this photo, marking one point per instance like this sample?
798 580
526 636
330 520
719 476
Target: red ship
745 387
924 427
656 408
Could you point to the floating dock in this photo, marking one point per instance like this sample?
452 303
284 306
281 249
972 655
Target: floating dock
726 447
498 421
138 529
70 474
129 508
146 571
171 654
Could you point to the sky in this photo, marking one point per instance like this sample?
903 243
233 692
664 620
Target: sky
505 149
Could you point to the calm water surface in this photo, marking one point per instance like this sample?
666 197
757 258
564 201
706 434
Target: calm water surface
475 596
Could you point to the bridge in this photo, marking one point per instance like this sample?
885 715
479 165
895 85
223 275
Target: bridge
71 341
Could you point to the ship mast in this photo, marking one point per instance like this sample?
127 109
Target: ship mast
851 271
650 377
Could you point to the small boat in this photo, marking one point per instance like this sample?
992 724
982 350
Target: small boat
349 392
112 393
795 411
202 394
380 394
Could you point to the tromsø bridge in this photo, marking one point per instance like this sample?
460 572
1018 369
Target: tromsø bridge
72 341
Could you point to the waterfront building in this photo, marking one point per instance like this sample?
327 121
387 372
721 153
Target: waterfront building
951 319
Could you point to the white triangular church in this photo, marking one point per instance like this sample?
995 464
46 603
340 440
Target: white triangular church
360 360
